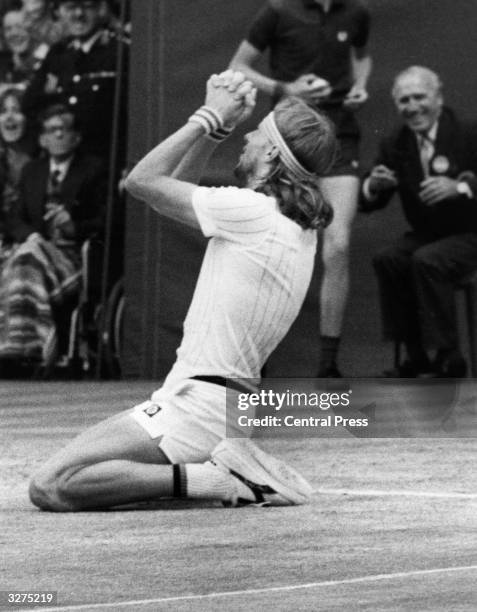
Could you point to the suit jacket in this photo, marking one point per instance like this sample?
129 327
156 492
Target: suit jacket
455 156
82 192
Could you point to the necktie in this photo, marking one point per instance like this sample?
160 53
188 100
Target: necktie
426 151
54 186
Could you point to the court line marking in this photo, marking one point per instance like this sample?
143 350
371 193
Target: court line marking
294 587
394 493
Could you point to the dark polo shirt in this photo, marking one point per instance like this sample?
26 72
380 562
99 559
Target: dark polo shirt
303 39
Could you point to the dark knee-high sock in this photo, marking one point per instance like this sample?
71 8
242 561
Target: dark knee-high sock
417 354
329 350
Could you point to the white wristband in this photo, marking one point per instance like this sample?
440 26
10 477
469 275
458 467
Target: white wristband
212 123
209 118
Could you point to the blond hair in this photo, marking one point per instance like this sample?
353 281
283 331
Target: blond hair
311 138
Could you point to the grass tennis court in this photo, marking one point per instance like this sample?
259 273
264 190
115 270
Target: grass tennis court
393 524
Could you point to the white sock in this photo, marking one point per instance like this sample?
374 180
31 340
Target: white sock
207 481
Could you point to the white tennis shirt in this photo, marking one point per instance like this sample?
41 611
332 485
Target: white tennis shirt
252 284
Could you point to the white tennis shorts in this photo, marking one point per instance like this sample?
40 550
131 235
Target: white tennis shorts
180 437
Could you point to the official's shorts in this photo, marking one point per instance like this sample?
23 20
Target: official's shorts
348 135
347 159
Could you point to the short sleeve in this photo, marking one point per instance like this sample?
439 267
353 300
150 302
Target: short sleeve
239 215
262 31
363 23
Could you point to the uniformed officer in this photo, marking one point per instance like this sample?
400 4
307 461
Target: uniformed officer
81 72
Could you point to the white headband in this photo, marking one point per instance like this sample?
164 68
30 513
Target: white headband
289 160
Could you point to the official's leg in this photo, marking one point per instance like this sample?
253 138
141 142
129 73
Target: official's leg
342 193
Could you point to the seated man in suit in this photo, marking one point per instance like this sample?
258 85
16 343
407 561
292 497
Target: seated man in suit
431 162
61 203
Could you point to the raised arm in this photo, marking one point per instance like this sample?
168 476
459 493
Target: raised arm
158 178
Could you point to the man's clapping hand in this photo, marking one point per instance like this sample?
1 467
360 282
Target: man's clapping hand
381 179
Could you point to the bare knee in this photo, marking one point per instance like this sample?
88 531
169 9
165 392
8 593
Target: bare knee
43 494
336 249
49 490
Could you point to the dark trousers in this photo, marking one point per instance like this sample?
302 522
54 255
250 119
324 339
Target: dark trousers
417 279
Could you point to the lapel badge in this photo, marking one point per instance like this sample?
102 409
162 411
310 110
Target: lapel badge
440 164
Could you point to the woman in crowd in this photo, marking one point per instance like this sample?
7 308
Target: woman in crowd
15 152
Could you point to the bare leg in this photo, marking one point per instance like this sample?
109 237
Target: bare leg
115 462
342 193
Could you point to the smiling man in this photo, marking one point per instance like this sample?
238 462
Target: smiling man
431 162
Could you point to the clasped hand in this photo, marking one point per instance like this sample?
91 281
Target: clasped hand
437 188
381 179
232 96
59 221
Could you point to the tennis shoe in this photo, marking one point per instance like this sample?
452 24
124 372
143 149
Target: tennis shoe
272 482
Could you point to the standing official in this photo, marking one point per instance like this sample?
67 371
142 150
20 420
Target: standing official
318 52
431 162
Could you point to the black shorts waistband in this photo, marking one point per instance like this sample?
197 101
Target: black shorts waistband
224 382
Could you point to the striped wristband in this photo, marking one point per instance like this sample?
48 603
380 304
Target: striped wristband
212 123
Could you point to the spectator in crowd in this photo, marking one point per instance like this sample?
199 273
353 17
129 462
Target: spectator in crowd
431 162
43 27
15 152
110 11
81 72
7 5
61 203
23 55
318 51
